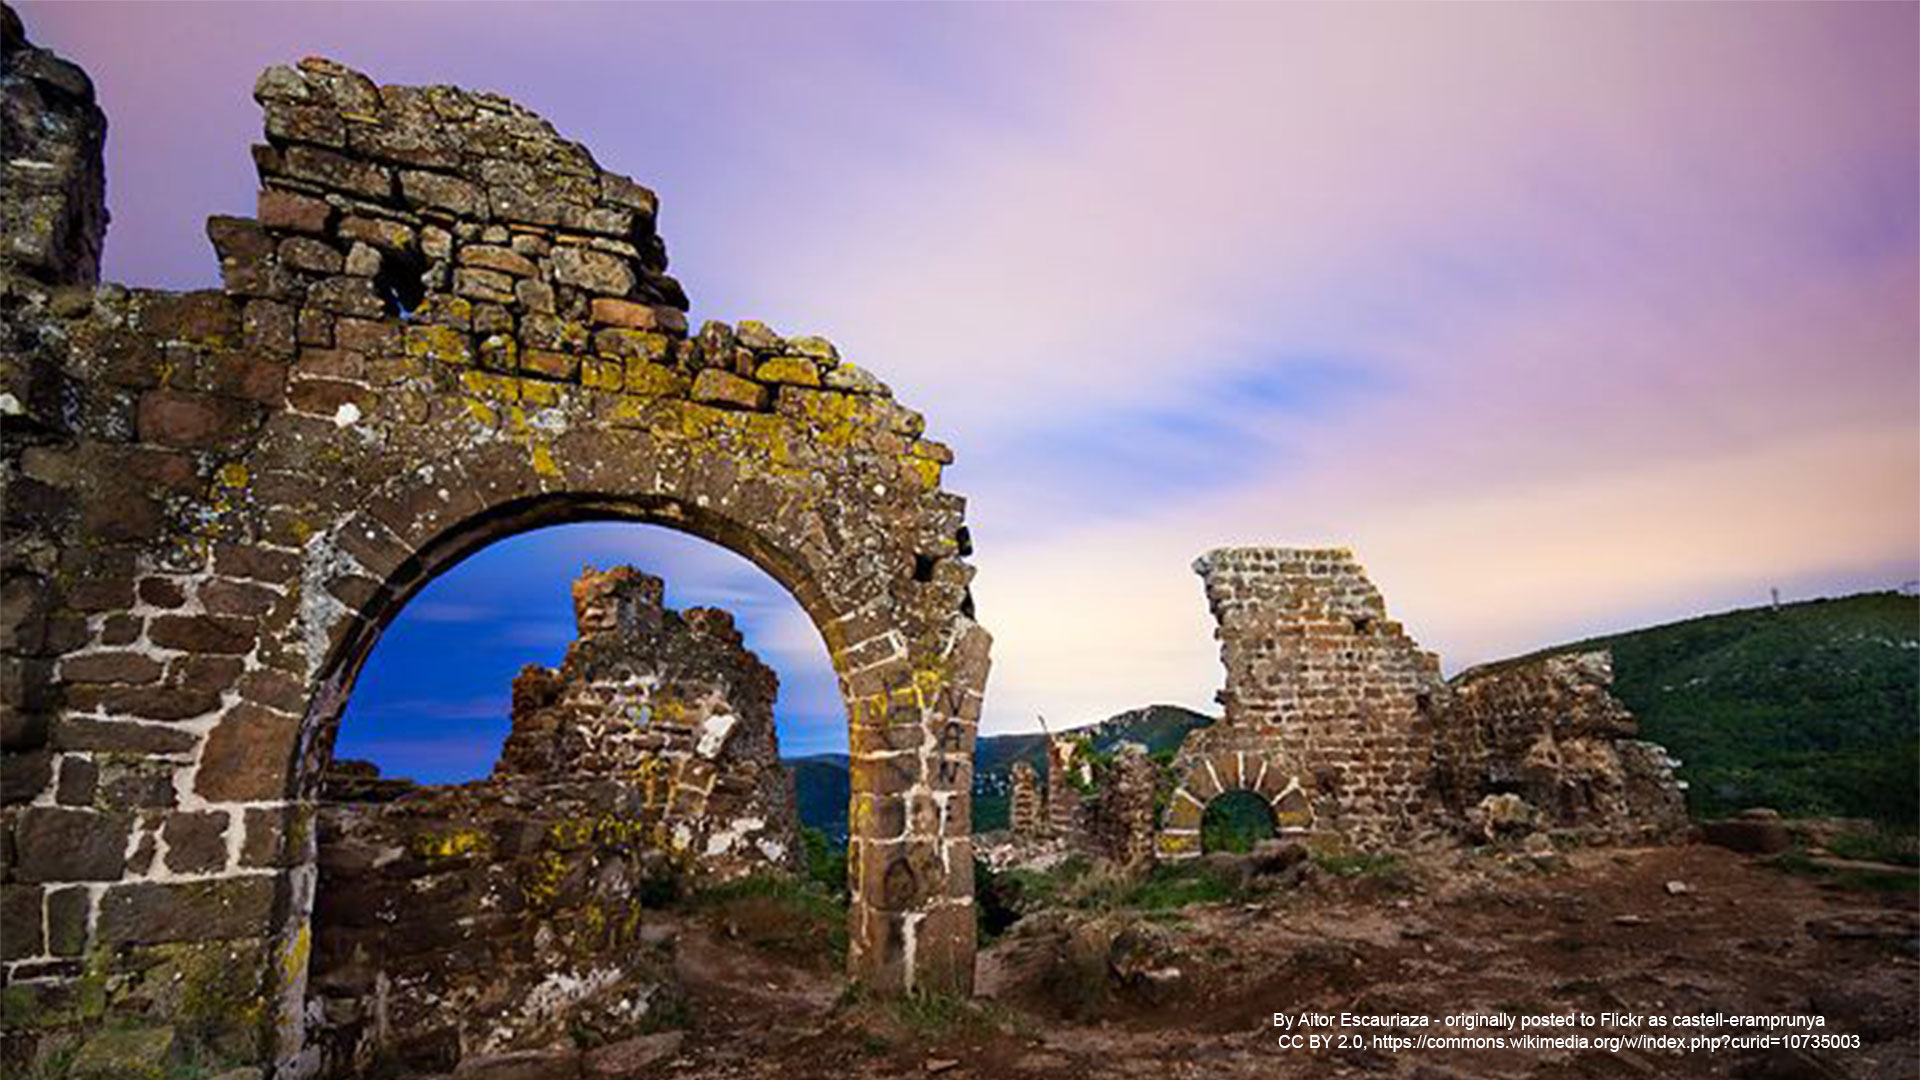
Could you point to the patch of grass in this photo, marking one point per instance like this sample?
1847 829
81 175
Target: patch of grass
884 1023
778 913
1167 887
1044 888
1885 845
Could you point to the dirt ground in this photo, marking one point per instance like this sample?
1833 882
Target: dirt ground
1594 931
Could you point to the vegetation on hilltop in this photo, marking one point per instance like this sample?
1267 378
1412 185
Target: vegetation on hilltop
1811 708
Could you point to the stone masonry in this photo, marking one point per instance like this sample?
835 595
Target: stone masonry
1547 731
445 325
1328 703
1123 811
1026 812
461 923
674 705
1339 720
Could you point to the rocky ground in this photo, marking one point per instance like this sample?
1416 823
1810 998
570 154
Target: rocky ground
1087 987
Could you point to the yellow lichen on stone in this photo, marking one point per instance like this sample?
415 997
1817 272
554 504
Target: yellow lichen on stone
543 462
441 344
655 380
232 475
449 845
503 388
922 470
540 395
293 962
602 374
790 370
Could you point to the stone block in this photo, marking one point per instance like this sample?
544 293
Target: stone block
715 387
61 844
22 929
219 909
594 271
67 914
196 842
248 755
789 370
278 208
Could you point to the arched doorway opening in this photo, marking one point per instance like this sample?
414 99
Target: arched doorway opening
518 899
1235 822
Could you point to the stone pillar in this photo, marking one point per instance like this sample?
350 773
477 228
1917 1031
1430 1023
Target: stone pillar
1126 806
1024 809
1065 774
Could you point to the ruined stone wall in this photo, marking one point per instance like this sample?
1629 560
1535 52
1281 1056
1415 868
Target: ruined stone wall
1322 689
445 325
454 923
673 705
1343 724
1549 732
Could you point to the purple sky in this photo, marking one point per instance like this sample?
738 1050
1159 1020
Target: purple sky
1566 317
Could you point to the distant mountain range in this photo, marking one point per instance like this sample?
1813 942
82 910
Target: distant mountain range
1810 708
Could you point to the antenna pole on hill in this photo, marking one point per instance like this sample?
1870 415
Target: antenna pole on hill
1043 726
1776 598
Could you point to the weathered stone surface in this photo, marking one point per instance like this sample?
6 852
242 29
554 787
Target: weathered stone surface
20 913
247 756
674 703
1548 732
509 909
59 844
594 271
196 842
193 421
212 910
718 387
54 218
146 1053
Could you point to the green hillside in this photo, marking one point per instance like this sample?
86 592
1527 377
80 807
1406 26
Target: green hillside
1811 708
821 786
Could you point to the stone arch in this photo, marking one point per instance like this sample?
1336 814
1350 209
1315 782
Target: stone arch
1206 777
221 498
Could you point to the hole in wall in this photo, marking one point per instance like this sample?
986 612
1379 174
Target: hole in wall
401 282
923 568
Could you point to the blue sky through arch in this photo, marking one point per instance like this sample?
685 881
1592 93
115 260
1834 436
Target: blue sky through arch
433 701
